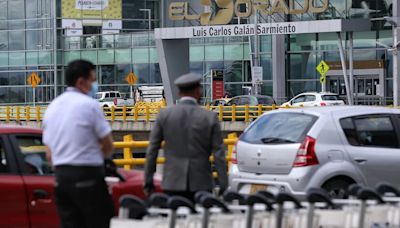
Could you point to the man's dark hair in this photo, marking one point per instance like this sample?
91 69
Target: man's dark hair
78 69
189 89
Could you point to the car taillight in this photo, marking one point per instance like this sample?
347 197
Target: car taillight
306 154
115 101
323 104
234 155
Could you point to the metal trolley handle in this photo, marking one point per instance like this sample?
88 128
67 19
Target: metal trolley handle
281 198
132 207
175 202
317 195
370 194
211 201
159 200
384 189
230 196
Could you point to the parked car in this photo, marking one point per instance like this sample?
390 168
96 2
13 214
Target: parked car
241 101
313 99
109 99
292 150
27 181
221 101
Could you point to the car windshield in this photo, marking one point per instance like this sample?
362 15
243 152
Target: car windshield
34 153
279 128
265 101
330 98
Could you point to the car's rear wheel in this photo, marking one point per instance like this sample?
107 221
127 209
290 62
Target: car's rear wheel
338 188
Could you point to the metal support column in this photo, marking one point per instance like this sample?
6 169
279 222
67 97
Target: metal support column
351 65
344 68
396 64
396 60
256 61
55 47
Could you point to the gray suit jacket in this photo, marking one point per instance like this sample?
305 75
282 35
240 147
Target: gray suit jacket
191 135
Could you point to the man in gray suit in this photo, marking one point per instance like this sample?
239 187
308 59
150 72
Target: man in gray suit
191 135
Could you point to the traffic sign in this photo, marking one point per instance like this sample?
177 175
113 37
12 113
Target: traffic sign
34 80
322 79
257 74
322 67
131 78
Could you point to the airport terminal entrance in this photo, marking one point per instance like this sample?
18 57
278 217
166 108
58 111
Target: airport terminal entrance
368 84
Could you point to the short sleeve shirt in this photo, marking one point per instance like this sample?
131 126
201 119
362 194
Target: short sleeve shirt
72 127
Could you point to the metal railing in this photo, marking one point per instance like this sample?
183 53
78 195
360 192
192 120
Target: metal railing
138 113
128 145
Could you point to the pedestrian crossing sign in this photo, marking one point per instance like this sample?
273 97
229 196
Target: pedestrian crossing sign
322 67
34 80
131 78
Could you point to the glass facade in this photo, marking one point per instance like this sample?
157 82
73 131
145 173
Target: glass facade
27 45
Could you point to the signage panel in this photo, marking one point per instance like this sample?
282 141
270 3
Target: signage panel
217 84
281 28
92 9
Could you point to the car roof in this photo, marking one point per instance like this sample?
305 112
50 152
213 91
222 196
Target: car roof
12 129
256 96
317 93
343 110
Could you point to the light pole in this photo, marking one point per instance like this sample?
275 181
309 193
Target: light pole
148 17
148 36
394 21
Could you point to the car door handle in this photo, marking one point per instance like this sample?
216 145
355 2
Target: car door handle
41 194
361 160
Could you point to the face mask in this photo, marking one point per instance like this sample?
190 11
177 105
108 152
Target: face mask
93 90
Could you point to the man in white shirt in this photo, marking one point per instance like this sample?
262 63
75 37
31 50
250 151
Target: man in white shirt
79 139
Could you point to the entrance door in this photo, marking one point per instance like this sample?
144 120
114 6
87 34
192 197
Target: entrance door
336 85
367 89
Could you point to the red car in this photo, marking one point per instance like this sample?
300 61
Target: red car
26 181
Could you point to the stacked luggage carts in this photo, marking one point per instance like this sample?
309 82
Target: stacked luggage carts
365 208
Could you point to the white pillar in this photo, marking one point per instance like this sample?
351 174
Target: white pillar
396 63
344 68
351 65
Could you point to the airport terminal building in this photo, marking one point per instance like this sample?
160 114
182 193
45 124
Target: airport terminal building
159 39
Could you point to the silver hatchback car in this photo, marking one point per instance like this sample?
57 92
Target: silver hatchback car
329 147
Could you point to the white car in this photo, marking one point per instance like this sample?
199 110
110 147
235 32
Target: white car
313 99
110 99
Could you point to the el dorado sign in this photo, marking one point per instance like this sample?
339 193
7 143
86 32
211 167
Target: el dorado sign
227 9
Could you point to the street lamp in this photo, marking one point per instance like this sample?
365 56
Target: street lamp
148 34
148 16
394 21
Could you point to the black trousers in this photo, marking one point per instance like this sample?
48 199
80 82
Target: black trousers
82 197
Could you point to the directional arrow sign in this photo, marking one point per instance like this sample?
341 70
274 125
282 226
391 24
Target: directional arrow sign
131 78
34 80
322 79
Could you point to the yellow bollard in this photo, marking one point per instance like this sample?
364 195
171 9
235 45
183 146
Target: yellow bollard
135 113
128 152
8 113
234 112
274 106
220 113
112 114
230 149
147 113
18 114
246 113
38 117
28 113
260 111
124 113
